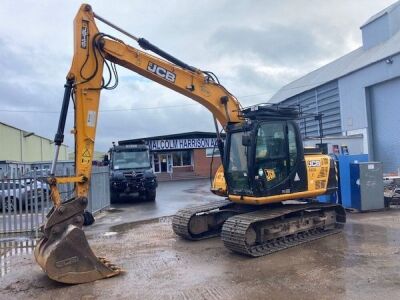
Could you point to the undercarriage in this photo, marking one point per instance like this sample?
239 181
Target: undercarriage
260 230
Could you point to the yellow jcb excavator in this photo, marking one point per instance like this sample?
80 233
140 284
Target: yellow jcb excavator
264 163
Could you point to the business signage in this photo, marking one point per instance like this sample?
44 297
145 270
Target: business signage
181 144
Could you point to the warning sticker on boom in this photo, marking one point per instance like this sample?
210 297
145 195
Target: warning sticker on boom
84 34
91 118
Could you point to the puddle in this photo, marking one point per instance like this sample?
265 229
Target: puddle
12 246
197 191
110 233
114 210
121 228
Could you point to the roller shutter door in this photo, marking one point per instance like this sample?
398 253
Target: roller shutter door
385 124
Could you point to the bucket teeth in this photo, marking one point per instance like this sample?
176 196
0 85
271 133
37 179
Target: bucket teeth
108 264
104 260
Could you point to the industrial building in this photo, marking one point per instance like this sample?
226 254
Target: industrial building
182 155
358 94
22 150
25 146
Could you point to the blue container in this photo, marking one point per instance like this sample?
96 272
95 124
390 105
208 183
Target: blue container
330 198
345 178
355 193
325 199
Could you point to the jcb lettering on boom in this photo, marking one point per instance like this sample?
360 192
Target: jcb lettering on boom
162 72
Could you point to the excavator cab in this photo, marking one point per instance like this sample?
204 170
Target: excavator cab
264 159
264 156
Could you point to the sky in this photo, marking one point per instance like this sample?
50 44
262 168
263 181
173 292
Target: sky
255 47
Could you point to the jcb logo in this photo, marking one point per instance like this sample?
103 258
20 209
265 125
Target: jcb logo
314 163
270 174
160 71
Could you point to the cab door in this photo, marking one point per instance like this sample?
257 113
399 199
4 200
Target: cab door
279 164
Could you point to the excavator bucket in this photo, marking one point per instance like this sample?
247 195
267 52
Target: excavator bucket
64 253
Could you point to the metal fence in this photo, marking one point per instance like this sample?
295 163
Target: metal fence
99 193
14 169
25 201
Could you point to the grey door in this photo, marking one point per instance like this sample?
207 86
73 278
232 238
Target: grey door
385 124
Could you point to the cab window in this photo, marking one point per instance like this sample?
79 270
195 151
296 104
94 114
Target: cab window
271 153
292 145
276 152
271 141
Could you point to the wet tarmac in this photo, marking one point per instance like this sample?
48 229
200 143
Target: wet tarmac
171 196
363 262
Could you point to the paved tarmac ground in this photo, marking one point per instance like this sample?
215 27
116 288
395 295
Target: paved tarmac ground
171 196
363 262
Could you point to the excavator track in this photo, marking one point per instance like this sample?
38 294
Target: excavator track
184 220
257 233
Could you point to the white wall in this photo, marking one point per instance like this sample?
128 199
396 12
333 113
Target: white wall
355 143
376 32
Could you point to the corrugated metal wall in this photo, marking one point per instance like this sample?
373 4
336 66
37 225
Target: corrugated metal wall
323 99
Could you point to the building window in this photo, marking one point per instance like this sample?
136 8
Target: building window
209 152
156 163
186 158
177 159
182 158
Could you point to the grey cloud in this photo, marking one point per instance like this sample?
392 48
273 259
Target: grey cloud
277 45
253 84
13 62
19 96
248 76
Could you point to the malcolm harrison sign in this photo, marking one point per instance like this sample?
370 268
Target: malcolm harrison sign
174 144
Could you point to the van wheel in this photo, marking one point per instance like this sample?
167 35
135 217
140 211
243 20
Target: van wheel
114 197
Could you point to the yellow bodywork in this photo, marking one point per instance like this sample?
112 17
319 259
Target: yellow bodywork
317 172
219 184
317 177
